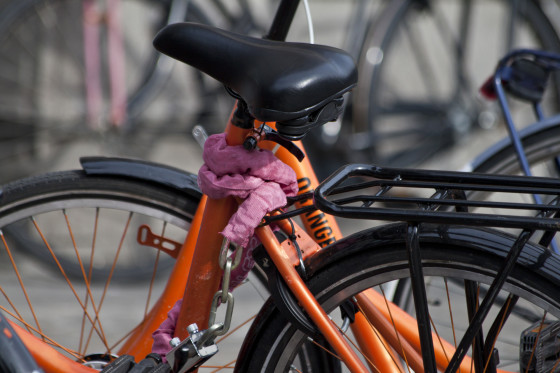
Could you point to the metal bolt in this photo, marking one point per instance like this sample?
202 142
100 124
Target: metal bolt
175 342
192 329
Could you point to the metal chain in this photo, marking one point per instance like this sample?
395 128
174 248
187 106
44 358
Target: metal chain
227 264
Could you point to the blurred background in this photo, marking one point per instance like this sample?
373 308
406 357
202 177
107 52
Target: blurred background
81 78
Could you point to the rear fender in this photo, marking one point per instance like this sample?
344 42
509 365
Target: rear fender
175 178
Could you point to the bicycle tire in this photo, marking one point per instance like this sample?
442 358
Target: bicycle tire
541 146
404 115
136 265
378 256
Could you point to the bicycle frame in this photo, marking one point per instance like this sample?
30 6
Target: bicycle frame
204 275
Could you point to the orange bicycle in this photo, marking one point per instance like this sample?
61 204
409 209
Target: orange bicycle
482 299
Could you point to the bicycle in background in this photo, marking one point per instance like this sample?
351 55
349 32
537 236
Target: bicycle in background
75 70
126 91
421 63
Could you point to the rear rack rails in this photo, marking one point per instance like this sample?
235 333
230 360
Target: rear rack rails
442 197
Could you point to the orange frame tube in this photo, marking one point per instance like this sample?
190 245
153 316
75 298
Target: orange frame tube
308 301
380 358
139 344
405 325
203 282
205 273
322 227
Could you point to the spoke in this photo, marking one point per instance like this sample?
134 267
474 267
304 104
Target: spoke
536 343
497 327
43 238
20 280
356 347
14 308
236 328
89 295
229 365
89 277
438 336
450 312
426 73
114 346
61 35
325 349
475 325
108 282
472 293
402 354
555 365
367 304
31 53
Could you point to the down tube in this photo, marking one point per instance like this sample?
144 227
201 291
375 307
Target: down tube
322 227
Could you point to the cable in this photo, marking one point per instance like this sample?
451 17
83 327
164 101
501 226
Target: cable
309 22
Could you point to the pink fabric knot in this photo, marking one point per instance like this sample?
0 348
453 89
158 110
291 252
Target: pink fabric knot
256 176
163 335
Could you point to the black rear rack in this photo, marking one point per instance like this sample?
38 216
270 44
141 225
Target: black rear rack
361 191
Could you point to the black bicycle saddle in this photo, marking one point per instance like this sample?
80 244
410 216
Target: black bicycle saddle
279 81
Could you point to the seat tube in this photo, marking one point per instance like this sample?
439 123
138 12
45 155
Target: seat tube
205 273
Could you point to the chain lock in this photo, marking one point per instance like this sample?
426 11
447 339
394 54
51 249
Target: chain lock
227 264
190 353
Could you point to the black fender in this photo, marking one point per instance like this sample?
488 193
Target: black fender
175 178
481 242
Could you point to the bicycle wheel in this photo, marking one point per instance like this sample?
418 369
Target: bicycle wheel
94 225
421 66
453 259
135 261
